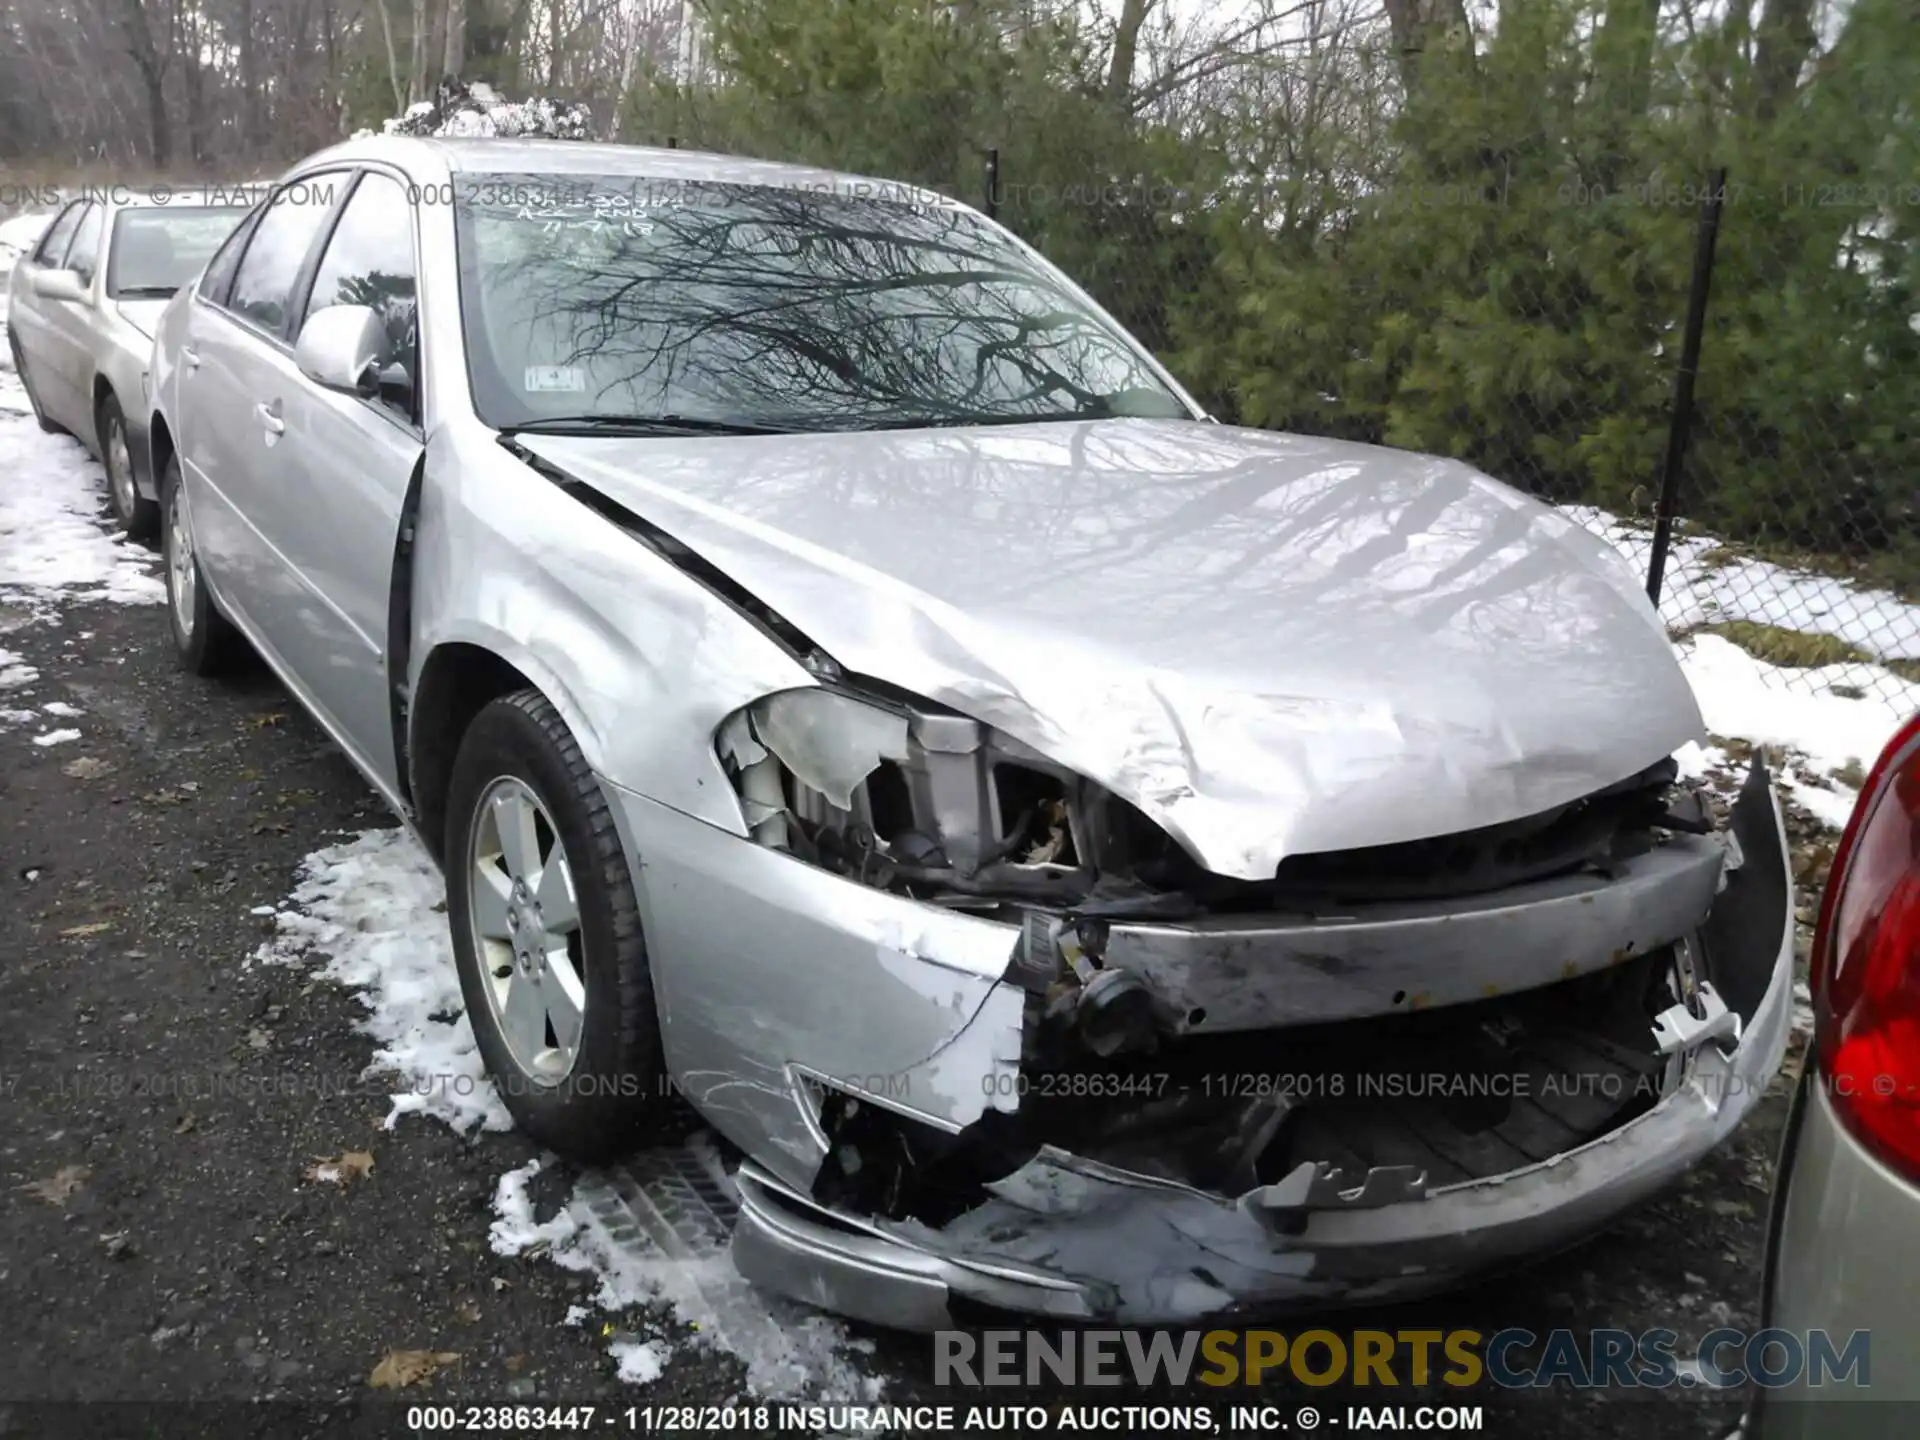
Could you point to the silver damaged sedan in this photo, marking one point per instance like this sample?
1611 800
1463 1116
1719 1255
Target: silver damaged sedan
1085 859
82 308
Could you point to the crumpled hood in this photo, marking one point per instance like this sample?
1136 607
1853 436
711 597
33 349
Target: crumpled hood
1272 644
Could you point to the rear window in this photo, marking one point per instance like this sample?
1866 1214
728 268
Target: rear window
157 250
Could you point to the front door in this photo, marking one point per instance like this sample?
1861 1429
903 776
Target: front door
329 507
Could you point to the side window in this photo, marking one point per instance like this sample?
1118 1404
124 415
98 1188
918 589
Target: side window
53 245
219 272
263 286
369 261
83 256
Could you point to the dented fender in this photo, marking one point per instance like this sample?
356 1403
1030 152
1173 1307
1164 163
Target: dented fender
642 661
773 977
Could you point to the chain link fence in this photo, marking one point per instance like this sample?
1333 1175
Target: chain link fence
1472 231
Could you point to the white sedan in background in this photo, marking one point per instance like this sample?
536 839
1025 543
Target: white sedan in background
81 313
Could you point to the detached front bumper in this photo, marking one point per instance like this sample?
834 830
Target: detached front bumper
1069 1237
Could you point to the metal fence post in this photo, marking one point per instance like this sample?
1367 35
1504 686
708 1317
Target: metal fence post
1682 421
993 183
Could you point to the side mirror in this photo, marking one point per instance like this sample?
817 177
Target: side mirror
340 348
61 285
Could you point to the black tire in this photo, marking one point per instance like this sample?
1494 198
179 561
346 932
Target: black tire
26 384
614 1098
204 640
138 517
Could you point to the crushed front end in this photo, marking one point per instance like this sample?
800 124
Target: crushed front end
986 1035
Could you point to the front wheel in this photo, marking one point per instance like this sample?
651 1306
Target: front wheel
203 639
547 937
137 516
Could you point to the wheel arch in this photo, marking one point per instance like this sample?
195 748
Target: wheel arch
160 447
457 678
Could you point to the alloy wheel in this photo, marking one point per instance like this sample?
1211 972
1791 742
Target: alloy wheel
526 930
182 578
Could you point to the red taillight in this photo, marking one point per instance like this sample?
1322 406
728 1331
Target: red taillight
1866 961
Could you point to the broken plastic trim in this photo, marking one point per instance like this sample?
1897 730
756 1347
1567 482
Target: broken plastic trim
695 566
1376 1113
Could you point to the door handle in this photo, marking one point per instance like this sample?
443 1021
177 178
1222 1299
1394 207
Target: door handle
191 356
269 415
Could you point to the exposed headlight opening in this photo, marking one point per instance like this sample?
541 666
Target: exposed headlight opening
912 797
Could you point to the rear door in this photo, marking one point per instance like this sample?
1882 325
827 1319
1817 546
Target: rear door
330 506
187 385
236 362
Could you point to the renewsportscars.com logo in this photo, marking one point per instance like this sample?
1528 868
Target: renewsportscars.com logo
1511 1359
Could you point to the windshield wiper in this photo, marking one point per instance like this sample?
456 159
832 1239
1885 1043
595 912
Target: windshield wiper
637 425
1094 407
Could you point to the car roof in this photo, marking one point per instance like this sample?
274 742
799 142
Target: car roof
423 156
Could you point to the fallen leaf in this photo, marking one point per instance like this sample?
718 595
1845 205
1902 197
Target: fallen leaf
514 1363
87 768
263 722
350 1166
58 1187
409 1367
186 1124
467 1311
92 927
258 1039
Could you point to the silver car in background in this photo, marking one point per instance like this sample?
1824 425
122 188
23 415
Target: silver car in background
1843 1252
81 313
1084 858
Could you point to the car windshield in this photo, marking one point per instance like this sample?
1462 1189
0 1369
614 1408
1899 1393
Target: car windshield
704 307
157 250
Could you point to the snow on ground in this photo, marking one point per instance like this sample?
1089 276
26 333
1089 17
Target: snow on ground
52 547
1705 583
1826 735
15 673
373 909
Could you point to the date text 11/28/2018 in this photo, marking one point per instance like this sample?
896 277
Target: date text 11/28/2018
815 1419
